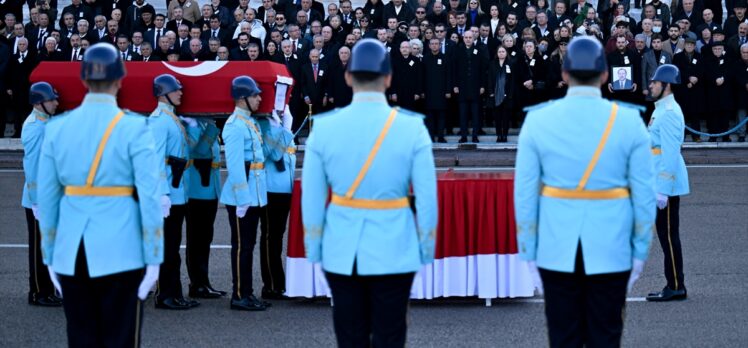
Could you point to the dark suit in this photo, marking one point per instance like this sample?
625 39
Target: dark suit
172 25
37 37
469 76
152 58
690 98
313 15
406 13
437 83
296 103
80 12
17 80
627 58
68 55
337 89
54 56
150 36
312 87
490 45
222 34
237 53
128 22
193 57
407 80
720 99
129 56
376 14
91 37
554 21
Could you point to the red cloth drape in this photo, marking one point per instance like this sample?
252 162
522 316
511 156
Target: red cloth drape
476 215
206 85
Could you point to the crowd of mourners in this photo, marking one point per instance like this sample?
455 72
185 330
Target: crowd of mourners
465 64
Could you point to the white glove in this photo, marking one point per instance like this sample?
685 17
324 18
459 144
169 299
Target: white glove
149 280
636 271
536 281
55 280
661 201
241 210
189 121
165 205
35 210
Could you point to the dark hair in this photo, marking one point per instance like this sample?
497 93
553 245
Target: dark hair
656 37
585 77
365 77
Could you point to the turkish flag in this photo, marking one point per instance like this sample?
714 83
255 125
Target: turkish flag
206 85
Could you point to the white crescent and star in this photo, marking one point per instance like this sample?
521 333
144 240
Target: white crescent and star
202 69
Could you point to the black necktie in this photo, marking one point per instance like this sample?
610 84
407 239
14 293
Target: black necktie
75 55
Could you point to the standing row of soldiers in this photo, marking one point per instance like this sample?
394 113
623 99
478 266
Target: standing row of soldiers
105 211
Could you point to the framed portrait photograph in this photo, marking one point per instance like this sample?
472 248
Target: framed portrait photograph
622 78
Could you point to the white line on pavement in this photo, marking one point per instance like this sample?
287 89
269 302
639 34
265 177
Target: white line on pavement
540 300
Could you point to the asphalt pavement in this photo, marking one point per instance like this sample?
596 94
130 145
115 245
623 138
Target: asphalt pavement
714 229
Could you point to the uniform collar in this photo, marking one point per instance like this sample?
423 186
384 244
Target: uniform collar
166 106
369 97
41 115
584 91
102 98
665 101
242 112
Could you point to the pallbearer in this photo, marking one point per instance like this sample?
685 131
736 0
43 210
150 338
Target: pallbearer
667 127
245 190
172 134
280 165
43 97
203 189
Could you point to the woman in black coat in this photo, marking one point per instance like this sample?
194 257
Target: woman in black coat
375 10
501 89
556 85
533 75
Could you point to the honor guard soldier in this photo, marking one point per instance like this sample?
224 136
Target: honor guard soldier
43 97
667 130
245 190
203 189
370 244
585 201
280 165
99 209
172 139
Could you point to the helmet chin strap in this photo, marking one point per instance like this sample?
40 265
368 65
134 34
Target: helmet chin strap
246 100
169 100
45 109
